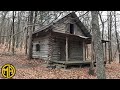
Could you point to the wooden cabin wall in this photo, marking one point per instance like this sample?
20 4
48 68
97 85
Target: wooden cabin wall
60 26
75 50
58 46
63 27
44 48
77 31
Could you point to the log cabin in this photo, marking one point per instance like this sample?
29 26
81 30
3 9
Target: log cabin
62 41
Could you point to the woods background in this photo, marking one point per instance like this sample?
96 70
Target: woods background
15 27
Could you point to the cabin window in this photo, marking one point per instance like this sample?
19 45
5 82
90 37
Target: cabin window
37 47
71 28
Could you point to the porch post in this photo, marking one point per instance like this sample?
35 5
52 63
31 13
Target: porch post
50 47
66 48
85 50
84 53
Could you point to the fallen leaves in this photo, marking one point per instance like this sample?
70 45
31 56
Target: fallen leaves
34 69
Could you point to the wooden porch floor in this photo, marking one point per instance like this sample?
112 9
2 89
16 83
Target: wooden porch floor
71 62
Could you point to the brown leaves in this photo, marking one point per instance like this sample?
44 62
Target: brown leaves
113 71
34 69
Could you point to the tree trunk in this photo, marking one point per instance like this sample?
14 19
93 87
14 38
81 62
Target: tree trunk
35 19
110 37
98 46
9 41
13 37
116 33
109 49
102 33
2 26
91 69
30 36
18 29
26 38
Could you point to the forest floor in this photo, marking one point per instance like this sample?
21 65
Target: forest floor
36 69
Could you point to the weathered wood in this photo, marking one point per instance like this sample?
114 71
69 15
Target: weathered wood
59 27
44 47
50 47
72 62
63 25
87 52
75 50
84 53
66 47
78 31
57 47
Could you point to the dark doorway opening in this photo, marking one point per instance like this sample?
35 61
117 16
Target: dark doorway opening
71 28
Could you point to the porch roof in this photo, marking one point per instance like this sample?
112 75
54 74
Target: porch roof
63 35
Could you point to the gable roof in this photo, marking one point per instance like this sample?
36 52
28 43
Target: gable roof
74 17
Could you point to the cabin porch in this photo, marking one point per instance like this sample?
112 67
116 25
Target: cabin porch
68 49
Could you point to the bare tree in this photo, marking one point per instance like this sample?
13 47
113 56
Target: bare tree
116 33
35 19
4 13
91 69
13 37
18 29
109 16
30 36
98 46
